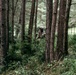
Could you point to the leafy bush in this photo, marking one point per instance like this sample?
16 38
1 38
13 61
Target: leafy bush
72 43
69 67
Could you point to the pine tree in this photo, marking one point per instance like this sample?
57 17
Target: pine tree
66 26
3 50
49 4
30 30
60 50
53 28
7 24
36 7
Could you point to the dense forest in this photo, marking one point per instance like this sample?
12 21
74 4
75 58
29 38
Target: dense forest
37 37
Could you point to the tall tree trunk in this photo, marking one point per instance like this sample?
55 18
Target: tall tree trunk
53 28
7 24
3 31
66 26
12 21
30 30
49 4
36 18
13 14
1 52
23 21
23 25
60 51
0 24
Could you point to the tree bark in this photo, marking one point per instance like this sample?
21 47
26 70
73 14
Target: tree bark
23 21
3 31
12 21
49 4
30 30
36 18
60 51
23 25
20 16
53 28
0 24
7 24
66 27
1 52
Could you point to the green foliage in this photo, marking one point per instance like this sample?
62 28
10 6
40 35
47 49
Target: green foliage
30 61
68 67
72 43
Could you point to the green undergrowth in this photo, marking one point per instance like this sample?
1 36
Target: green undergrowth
35 65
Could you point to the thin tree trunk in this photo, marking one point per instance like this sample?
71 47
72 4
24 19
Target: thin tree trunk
1 52
7 24
36 18
20 16
12 21
60 51
23 21
53 28
30 30
23 25
13 13
3 31
0 24
49 4
66 26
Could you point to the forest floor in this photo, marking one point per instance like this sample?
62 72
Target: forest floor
34 67
65 67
